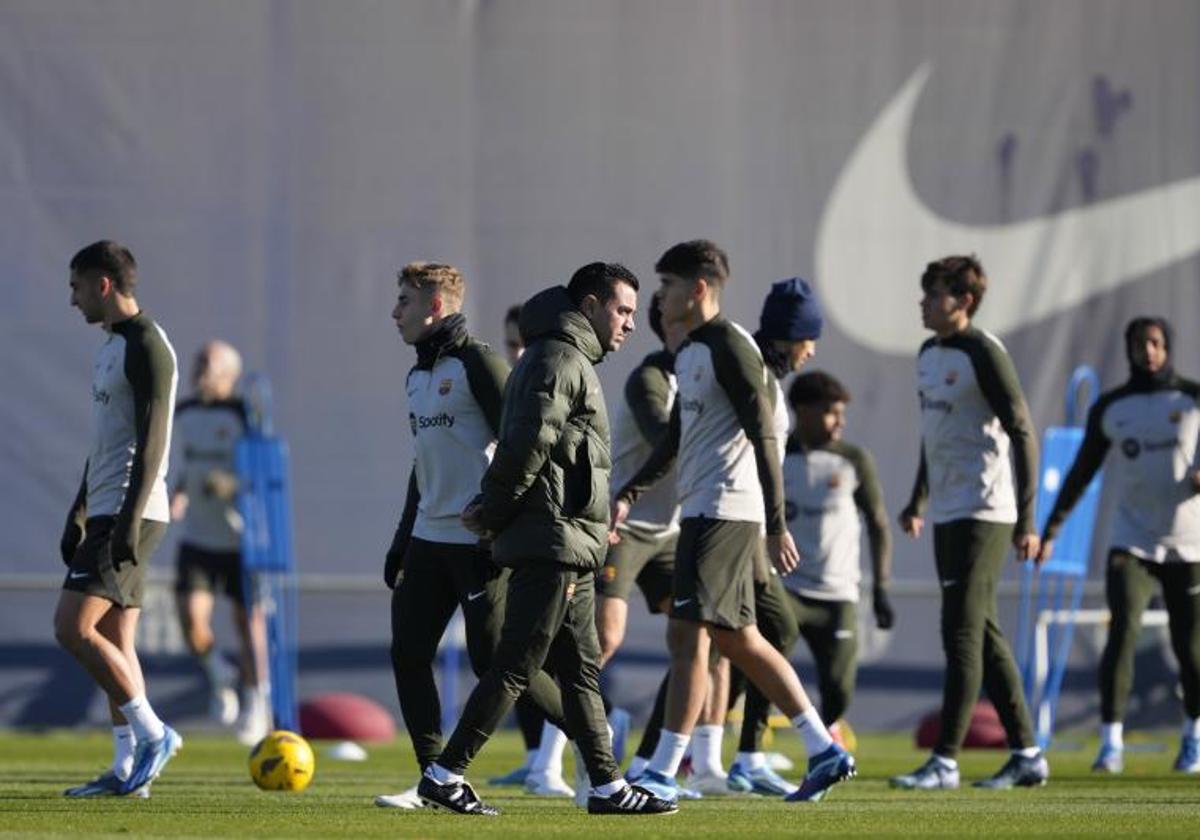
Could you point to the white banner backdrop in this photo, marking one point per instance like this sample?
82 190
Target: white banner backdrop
271 164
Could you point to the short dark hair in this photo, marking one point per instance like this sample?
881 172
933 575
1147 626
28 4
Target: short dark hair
513 315
959 274
695 259
655 318
110 259
817 387
599 279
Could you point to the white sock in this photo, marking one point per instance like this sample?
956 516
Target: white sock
1191 727
668 753
1027 752
615 786
706 750
146 725
752 760
441 775
637 766
253 704
948 763
123 745
812 730
549 757
530 755
1113 735
255 696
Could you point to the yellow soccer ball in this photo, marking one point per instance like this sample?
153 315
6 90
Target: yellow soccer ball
282 761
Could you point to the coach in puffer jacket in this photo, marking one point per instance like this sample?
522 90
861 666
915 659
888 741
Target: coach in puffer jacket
545 504
545 496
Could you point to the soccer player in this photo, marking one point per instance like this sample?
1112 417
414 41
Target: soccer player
973 415
642 549
435 564
544 502
789 327
119 516
1153 420
730 484
642 552
828 483
207 428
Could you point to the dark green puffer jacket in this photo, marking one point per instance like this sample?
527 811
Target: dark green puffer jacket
545 495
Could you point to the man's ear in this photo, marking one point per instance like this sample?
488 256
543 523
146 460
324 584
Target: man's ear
436 304
105 285
966 300
589 305
700 288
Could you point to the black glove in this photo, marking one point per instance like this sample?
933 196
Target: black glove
885 616
123 542
72 537
394 560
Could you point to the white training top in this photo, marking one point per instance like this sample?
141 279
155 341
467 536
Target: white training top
133 368
205 439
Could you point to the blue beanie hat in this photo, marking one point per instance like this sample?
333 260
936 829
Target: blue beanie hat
791 312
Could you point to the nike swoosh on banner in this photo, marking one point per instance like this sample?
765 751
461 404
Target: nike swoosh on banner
876 235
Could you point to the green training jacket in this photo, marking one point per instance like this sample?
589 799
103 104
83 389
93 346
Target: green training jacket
545 495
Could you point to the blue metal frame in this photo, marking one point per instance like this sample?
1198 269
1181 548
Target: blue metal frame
1060 580
268 561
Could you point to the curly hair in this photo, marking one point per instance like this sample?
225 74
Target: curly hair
444 279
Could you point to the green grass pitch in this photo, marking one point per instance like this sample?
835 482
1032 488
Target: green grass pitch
206 792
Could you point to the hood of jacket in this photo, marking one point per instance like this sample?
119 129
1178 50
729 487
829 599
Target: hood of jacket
552 314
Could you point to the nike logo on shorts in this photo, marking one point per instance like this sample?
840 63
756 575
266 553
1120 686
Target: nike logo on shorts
78 575
679 603
946 584
475 596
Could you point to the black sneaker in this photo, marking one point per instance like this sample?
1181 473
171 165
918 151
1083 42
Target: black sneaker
458 797
633 799
1018 771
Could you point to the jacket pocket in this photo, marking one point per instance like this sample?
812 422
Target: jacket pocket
593 503
575 470
552 484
